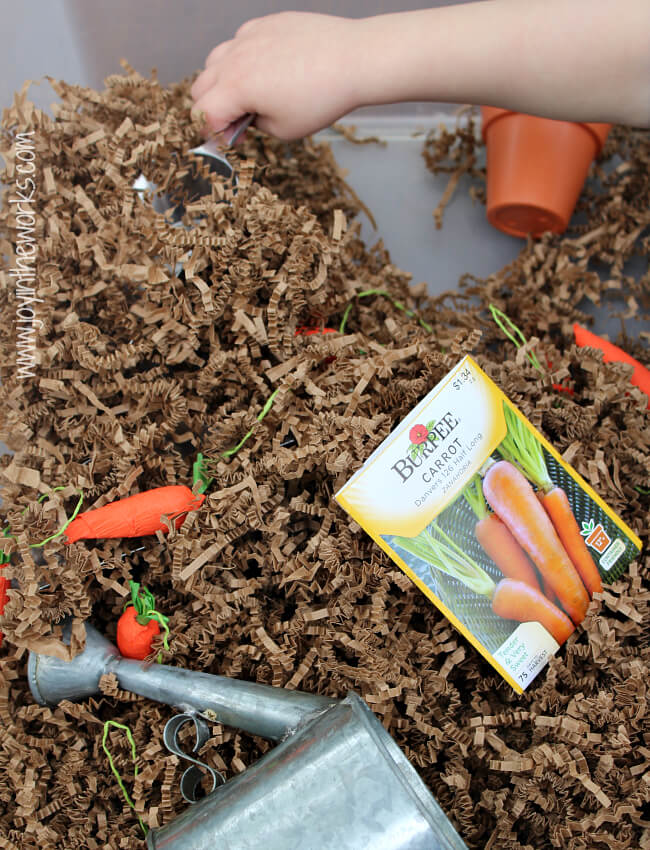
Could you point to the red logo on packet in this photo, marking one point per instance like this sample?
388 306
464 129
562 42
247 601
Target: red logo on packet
596 536
418 434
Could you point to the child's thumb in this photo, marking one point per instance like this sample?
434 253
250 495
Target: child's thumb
218 112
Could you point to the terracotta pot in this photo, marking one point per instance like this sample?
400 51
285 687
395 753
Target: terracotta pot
536 168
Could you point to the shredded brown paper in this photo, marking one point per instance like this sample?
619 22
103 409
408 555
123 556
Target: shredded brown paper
139 369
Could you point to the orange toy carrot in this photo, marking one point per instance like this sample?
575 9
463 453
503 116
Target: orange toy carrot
556 504
139 624
4 584
516 600
511 496
496 539
136 515
305 331
613 354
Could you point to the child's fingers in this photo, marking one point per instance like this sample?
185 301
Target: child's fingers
217 52
267 125
203 83
219 111
248 25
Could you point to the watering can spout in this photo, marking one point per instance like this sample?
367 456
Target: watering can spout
336 780
261 710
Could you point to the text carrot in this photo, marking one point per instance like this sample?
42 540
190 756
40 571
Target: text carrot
556 504
513 499
136 515
516 600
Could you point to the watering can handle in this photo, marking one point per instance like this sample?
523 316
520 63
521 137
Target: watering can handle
193 777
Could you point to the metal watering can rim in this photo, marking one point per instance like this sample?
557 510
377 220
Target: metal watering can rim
349 717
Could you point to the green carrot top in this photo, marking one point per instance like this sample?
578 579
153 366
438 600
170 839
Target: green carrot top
199 473
436 548
144 602
521 448
473 495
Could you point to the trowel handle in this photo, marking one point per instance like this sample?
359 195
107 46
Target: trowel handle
233 131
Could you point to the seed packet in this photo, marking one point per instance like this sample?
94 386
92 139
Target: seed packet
484 516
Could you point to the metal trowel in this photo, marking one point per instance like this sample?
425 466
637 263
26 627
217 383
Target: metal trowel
194 184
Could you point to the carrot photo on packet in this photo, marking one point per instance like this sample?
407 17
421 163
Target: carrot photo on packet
524 452
511 599
496 539
524 524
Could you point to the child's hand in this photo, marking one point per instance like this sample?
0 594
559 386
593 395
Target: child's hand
295 70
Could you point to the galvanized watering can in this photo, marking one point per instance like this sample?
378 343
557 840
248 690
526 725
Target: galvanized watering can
336 780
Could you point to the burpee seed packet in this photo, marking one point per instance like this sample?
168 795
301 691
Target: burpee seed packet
485 517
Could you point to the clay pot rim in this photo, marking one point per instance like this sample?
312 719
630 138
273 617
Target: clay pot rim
598 131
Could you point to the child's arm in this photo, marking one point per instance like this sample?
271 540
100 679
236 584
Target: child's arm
580 60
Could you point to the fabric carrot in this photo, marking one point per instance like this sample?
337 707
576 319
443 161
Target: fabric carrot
522 449
613 354
305 331
139 624
512 497
136 515
516 600
511 599
4 582
496 539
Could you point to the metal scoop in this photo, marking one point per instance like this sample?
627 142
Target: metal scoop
213 147
194 185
